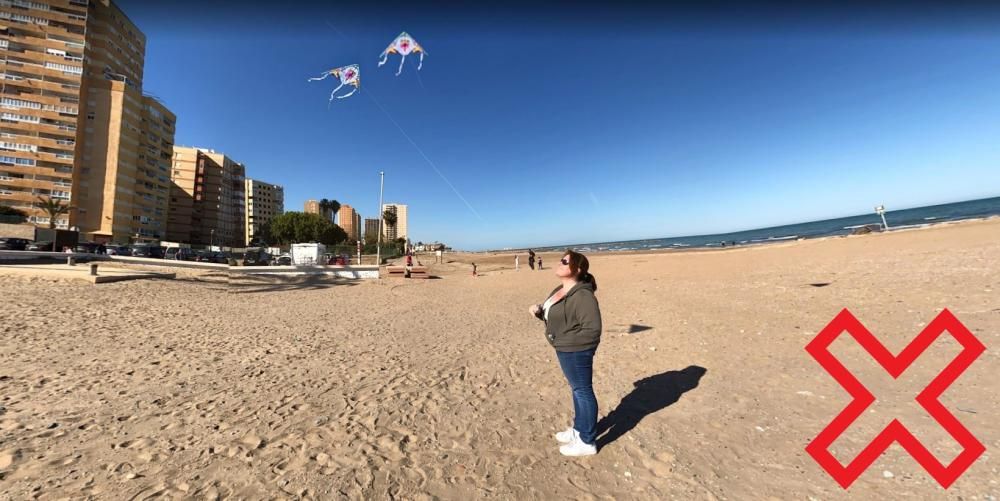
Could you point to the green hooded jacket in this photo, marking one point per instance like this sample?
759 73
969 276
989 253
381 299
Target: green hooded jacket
574 323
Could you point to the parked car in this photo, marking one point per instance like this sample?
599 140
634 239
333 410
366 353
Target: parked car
210 257
146 250
256 257
179 254
40 246
87 247
119 250
283 260
12 243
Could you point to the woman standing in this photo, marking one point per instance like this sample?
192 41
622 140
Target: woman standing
573 327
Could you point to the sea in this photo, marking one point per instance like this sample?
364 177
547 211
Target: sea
896 219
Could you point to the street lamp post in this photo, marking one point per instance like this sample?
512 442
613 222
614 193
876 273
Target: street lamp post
378 244
211 243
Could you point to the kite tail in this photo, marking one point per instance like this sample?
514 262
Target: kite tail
320 78
385 55
335 91
349 94
421 65
401 61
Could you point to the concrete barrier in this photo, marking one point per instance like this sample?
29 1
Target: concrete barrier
357 272
24 230
170 263
7 255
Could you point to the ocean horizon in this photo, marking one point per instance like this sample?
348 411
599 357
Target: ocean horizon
914 217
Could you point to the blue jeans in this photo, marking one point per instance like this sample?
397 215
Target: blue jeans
578 367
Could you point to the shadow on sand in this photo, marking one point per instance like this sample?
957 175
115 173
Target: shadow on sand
636 328
650 395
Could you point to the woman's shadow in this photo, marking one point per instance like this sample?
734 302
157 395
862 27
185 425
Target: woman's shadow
649 395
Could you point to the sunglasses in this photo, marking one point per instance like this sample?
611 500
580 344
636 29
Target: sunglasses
564 261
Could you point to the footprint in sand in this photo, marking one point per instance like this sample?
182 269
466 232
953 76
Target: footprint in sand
8 458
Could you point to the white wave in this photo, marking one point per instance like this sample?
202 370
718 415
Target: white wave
908 226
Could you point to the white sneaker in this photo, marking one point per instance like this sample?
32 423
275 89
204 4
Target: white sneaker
577 448
566 436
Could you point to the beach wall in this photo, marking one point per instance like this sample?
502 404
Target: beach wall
17 230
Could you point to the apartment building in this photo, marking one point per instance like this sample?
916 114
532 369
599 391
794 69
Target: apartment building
207 198
264 201
42 46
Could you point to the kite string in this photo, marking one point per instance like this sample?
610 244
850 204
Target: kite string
367 92
415 146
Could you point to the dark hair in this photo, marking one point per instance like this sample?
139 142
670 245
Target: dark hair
580 266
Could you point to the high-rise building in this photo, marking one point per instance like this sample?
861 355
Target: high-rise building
43 44
400 229
124 179
311 206
371 229
207 198
350 221
264 201
316 207
73 70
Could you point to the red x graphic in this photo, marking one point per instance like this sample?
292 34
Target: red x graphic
895 431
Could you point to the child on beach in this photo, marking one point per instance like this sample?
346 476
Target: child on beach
539 262
474 269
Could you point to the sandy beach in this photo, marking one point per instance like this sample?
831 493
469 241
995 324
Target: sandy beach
259 388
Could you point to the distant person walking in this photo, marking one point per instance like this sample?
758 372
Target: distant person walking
474 270
573 327
531 259
539 262
517 263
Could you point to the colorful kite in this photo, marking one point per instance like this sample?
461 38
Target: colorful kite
348 75
403 45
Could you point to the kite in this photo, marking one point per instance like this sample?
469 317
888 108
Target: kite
403 45
348 75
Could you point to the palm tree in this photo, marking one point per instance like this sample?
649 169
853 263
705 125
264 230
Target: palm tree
54 208
390 219
324 205
329 207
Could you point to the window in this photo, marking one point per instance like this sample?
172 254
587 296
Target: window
16 161
17 146
65 68
14 117
19 103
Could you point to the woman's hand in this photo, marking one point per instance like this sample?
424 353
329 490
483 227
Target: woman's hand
535 310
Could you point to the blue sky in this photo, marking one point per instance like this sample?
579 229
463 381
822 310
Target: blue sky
598 124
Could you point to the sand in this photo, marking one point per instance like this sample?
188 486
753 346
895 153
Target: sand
201 387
